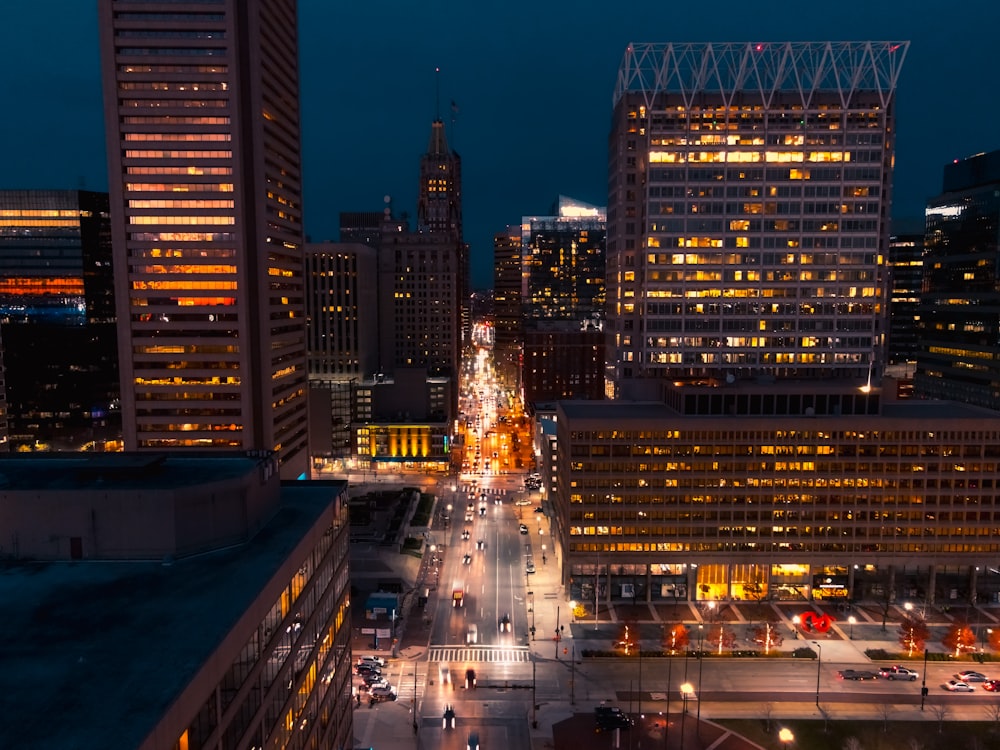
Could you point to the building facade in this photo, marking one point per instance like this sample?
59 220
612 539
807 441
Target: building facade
563 360
57 309
747 209
866 500
906 264
205 183
959 310
508 317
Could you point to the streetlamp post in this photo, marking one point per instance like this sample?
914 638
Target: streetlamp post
851 620
556 639
531 608
819 664
686 689
701 669
786 737
923 685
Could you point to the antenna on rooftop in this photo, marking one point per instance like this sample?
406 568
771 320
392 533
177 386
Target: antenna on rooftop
437 93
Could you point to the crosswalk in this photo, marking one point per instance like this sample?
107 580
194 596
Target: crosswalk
487 654
470 488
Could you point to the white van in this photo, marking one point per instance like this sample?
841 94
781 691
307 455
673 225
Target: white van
473 635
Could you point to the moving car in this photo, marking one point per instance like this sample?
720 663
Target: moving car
523 529
366 669
970 676
992 685
481 544
383 694
504 624
466 535
856 674
467 559
957 686
375 660
897 672
445 673
380 682
372 679
529 566
473 743
470 679
472 635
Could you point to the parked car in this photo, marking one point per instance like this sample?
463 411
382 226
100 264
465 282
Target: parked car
367 669
529 567
379 683
897 672
523 529
970 676
376 660
957 686
856 674
372 678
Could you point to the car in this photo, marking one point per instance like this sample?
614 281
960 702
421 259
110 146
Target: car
470 506
366 669
448 721
504 623
498 500
539 509
383 694
466 535
897 672
445 673
376 660
467 559
957 686
378 683
482 510
468 516
473 741
856 674
470 679
372 678
481 544
970 676
529 567
523 529
992 685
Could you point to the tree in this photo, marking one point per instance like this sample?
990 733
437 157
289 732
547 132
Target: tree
767 636
886 710
960 638
913 634
852 743
941 713
627 639
993 638
675 638
767 712
720 637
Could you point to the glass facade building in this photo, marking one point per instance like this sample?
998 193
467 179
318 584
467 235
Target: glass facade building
202 113
747 211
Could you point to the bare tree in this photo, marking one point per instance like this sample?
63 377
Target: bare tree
915 744
767 711
941 713
886 710
852 743
993 713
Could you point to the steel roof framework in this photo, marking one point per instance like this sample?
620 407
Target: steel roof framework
767 68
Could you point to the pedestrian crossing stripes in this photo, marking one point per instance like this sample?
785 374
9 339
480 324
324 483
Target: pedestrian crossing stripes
490 654
470 488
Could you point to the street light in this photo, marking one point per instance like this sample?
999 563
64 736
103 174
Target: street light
819 663
852 619
785 736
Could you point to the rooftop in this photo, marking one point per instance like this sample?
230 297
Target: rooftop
95 652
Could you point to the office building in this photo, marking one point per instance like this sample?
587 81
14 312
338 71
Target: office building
906 274
153 628
748 209
795 494
202 114
563 359
58 313
507 313
959 310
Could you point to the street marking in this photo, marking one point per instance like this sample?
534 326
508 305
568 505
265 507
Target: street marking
488 654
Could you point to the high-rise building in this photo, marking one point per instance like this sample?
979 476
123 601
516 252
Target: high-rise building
508 317
202 113
959 310
906 275
563 260
58 311
748 209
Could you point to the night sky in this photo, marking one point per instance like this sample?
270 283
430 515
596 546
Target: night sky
532 82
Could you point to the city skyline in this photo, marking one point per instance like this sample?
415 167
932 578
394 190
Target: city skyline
544 113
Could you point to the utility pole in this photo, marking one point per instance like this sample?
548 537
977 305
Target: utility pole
556 639
534 700
572 678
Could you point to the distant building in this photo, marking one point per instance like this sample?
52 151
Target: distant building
747 221
563 360
906 275
58 313
202 113
212 609
959 311
508 315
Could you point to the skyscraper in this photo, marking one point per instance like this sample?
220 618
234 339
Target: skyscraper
202 115
959 310
747 210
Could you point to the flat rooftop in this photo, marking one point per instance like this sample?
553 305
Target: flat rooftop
93 653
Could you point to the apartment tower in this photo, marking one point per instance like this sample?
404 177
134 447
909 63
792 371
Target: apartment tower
202 113
748 209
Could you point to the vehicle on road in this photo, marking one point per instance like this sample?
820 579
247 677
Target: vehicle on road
539 509
457 597
470 679
970 676
472 634
467 559
374 660
466 535
445 673
366 669
992 685
378 683
897 672
529 566
856 674
473 741
482 510
481 544
504 624
523 529
469 515
372 679
383 694
957 686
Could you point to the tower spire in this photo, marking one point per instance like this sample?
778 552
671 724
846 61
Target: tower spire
437 93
